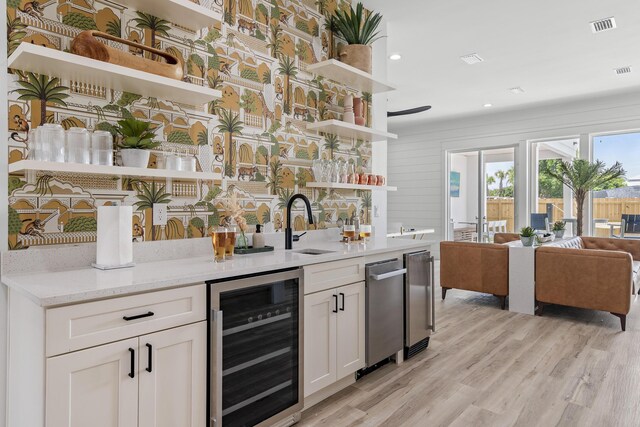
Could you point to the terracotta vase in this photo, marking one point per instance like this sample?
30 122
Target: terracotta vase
348 116
358 56
357 111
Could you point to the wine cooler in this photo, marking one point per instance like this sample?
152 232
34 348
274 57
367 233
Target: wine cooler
255 350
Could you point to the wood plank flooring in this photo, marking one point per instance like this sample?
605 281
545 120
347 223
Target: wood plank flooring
488 367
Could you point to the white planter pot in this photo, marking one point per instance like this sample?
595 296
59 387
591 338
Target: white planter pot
559 234
527 241
135 158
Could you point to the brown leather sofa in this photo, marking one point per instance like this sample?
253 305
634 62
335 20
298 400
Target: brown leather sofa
479 267
588 272
502 238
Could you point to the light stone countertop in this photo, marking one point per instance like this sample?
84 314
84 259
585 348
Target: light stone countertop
53 288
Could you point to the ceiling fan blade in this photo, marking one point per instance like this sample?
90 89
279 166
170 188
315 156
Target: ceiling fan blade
409 111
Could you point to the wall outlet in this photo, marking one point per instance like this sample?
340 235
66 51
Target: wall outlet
160 214
376 211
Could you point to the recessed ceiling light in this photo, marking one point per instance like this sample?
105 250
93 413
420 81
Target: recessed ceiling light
472 58
488 105
516 90
623 70
395 57
605 24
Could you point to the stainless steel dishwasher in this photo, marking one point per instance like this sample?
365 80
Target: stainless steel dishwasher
385 308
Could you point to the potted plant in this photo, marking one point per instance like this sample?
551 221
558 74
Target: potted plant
135 141
358 28
558 229
527 236
582 176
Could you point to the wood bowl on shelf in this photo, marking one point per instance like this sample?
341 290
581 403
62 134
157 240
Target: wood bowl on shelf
87 44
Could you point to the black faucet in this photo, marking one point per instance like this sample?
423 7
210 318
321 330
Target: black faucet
289 238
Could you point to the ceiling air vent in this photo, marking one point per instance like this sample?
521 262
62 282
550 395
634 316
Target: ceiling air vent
603 25
472 58
623 70
516 90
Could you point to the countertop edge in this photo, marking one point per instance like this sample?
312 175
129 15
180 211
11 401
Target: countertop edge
13 281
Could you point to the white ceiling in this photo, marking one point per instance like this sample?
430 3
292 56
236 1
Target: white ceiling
544 46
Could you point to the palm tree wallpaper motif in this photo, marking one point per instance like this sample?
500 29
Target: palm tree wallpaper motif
43 90
288 70
230 124
155 25
149 196
331 143
251 140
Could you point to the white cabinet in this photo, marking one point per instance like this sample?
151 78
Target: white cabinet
173 375
334 340
319 340
155 380
93 388
350 329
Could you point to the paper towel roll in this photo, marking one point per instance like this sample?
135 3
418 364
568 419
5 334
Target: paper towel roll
115 247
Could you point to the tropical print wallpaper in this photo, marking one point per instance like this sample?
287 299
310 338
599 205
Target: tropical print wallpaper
253 139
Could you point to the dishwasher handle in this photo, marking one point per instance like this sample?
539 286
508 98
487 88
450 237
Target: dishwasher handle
388 275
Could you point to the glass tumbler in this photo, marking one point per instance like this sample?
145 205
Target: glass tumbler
365 233
78 146
35 145
349 232
231 242
172 161
219 241
102 148
53 142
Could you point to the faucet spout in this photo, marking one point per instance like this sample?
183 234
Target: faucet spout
288 232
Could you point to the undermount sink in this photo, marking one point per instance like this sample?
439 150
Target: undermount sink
312 251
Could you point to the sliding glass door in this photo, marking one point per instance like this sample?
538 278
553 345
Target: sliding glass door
481 199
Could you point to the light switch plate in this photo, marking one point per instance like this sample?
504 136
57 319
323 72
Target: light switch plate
160 214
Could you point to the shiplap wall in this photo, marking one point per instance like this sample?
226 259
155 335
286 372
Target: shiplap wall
416 161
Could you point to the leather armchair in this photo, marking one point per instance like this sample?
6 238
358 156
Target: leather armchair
479 267
588 272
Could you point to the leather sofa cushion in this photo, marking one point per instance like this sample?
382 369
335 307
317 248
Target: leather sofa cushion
625 245
501 238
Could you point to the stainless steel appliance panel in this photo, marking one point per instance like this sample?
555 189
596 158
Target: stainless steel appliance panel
419 297
384 319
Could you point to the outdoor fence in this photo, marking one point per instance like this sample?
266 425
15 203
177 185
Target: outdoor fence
607 208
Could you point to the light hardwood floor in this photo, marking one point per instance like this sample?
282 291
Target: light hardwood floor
488 367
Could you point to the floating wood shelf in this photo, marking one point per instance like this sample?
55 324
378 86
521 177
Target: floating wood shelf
350 76
348 130
68 66
36 165
350 186
181 12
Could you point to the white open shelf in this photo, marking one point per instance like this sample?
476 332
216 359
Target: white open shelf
349 130
36 165
68 66
350 76
181 12
350 186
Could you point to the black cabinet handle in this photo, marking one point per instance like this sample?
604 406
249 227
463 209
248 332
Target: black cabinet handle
335 300
150 358
342 307
139 316
132 372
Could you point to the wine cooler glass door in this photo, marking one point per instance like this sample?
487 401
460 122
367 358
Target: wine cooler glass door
255 349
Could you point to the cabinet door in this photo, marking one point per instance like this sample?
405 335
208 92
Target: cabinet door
173 375
350 329
319 341
93 387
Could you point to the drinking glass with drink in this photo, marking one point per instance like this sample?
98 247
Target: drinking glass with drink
231 242
349 232
365 232
219 240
